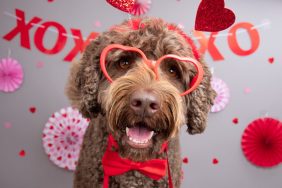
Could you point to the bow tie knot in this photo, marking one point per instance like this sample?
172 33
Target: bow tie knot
114 165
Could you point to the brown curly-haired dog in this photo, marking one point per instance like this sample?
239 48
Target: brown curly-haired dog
136 102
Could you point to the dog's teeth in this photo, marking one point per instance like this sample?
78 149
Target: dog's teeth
127 130
151 134
139 141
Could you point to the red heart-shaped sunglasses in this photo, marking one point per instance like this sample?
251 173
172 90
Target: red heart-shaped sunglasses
154 66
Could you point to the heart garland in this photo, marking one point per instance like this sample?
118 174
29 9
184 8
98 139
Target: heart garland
212 16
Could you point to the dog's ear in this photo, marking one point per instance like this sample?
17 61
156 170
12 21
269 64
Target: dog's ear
199 103
82 87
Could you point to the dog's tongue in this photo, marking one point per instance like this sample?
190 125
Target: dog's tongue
140 133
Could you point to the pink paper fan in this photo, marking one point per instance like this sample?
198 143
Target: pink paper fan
222 92
63 136
262 142
11 75
140 7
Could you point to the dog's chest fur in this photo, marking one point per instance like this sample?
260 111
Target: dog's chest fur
89 172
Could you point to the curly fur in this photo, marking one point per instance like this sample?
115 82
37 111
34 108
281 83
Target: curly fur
107 104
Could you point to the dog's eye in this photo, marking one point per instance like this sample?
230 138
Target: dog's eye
125 63
173 71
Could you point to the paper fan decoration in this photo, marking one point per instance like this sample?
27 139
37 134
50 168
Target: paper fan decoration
140 7
11 75
262 142
63 136
223 94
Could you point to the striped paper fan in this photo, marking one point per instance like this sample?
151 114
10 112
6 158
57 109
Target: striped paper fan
63 136
11 75
140 7
223 94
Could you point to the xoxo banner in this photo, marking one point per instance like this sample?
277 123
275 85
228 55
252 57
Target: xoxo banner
206 44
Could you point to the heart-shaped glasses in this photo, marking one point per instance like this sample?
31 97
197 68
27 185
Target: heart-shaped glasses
154 66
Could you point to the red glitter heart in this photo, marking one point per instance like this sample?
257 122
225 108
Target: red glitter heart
215 161
32 109
213 17
185 160
123 5
271 60
235 121
22 153
7 125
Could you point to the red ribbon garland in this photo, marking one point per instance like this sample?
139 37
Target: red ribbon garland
114 165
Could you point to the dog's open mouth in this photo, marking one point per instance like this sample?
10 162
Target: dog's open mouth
139 136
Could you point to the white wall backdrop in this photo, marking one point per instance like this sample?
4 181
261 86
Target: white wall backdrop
254 84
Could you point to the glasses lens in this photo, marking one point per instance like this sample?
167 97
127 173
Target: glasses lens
118 61
185 73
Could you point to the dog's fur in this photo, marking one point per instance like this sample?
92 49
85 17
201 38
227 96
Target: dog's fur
107 105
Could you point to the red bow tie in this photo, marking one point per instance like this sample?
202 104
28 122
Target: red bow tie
114 165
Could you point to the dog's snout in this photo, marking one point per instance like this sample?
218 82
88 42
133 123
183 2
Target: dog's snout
144 103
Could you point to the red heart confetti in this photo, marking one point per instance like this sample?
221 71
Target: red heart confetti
7 125
235 120
247 90
123 5
32 109
22 153
39 65
185 160
215 161
271 60
50 1
212 16
98 24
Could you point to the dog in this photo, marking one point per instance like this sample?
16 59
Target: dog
138 102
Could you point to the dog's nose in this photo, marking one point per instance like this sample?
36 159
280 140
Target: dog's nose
144 103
